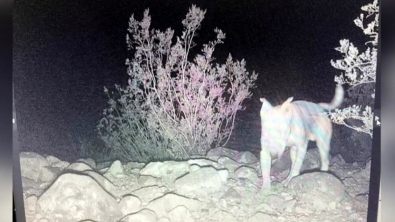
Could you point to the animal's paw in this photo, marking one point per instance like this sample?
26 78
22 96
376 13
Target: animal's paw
265 189
285 182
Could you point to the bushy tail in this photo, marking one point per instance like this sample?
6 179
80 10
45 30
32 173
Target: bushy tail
337 100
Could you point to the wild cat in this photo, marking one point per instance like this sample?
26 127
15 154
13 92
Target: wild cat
292 125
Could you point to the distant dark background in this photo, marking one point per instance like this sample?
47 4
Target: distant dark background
65 52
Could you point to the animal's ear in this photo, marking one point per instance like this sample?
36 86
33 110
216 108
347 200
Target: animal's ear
288 101
265 104
286 104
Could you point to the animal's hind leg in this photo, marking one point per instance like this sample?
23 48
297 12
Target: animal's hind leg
297 156
324 147
323 135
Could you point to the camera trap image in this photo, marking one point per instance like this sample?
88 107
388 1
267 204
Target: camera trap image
204 110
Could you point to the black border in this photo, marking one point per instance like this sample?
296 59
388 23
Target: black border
6 161
375 170
17 177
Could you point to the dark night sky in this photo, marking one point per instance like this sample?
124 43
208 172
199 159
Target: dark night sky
66 51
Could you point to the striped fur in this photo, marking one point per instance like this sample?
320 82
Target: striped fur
292 125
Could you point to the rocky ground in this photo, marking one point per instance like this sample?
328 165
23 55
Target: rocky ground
223 186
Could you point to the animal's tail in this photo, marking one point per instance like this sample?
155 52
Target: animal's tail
337 100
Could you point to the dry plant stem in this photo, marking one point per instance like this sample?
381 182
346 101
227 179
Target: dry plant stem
186 112
359 68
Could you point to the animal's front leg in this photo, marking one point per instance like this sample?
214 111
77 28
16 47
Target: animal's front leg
297 156
266 161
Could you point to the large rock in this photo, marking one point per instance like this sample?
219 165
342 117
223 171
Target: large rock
116 169
318 188
353 146
203 181
32 165
76 197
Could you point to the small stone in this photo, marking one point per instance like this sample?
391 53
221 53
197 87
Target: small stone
354 216
332 205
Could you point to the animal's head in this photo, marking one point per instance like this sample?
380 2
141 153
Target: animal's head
275 121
